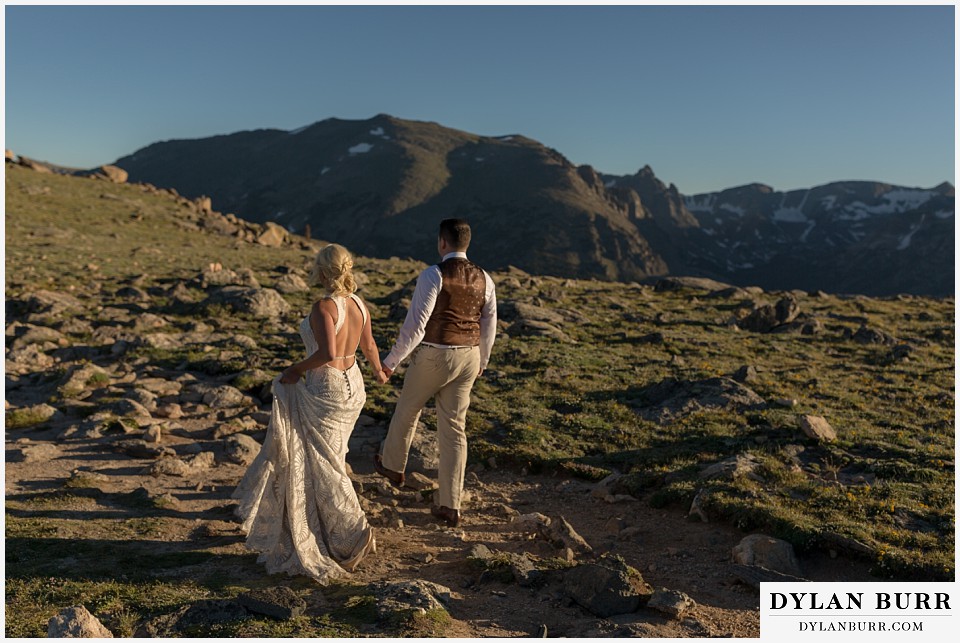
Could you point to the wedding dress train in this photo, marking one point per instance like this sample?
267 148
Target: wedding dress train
297 503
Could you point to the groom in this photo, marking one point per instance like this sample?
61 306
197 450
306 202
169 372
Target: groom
450 328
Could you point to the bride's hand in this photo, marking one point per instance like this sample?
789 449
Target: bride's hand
382 377
290 376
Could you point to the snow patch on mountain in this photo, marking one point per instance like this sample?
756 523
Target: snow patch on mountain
377 131
905 241
806 233
703 203
791 215
732 208
360 148
944 214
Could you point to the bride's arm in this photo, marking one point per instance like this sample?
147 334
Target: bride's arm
369 347
322 325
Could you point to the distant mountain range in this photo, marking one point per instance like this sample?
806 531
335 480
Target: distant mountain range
380 186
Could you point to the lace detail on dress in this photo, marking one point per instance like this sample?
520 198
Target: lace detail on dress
297 503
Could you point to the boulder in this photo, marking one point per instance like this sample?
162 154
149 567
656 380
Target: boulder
607 587
671 602
291 283
276 602
816 427
534 328
114 173
77 622
34 165
241 449
262 303
200 614
273 235
671 398
768 552
401 597
742 464
8 155
224 396
865 335
766 318
215 275
561 534
82 377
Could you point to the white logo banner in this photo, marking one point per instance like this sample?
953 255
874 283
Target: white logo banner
856 611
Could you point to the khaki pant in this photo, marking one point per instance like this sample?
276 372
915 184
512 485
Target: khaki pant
449 374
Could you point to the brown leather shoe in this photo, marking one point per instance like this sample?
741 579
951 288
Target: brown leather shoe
446 514
395 477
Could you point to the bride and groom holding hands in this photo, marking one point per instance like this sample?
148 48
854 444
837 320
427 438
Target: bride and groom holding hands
297 502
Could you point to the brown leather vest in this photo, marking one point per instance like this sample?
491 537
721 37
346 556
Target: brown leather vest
456 315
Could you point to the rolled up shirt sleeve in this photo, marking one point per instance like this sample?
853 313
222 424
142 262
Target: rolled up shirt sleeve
488 322
415 325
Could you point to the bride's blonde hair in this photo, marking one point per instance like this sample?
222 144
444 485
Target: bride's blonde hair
333 269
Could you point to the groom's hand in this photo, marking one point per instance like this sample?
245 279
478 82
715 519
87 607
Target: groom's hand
388 372
480 373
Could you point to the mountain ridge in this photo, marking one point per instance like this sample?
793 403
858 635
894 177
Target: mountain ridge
380 185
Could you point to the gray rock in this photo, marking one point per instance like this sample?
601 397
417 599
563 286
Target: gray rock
818 428
561 534
865 335
36 335
765 551
143 397
742 464
766 318
262 303
52 303
224 396
128 407
291 283
277 602
512 310
76 622
241 449
216 275
607 587
80 378
424 452
745 374
159 386
419 482
41 413
201 613
530 523
39 452
140 449
421 596
171 411
671 602
480 553
670 398
524 571
529 327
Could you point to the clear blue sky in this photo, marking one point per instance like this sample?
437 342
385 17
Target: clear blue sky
710 97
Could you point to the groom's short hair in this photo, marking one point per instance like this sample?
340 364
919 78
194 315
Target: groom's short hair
456 232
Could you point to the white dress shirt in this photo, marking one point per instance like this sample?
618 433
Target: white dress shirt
422 303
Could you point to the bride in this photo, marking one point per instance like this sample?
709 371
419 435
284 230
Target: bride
297 503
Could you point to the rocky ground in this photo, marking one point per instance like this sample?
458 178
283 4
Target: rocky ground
634 448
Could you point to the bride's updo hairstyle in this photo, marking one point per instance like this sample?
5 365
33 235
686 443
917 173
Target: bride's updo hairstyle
333 270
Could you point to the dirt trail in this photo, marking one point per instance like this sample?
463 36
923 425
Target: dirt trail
669 549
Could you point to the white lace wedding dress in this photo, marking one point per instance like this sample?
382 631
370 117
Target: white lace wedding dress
297 503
